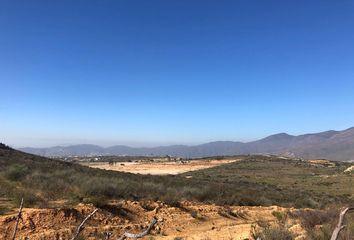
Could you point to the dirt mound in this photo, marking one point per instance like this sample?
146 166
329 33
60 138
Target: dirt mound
185 221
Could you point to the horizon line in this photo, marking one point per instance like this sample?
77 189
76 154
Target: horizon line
181 144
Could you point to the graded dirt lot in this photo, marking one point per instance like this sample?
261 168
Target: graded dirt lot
189 221
159 168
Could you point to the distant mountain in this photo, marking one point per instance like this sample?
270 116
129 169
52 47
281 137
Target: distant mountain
335 145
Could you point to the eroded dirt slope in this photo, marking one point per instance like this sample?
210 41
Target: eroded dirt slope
188 221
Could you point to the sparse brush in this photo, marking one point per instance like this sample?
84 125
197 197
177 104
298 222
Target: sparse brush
319 224
310 218
292 184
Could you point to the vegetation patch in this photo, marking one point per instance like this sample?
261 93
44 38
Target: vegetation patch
319 224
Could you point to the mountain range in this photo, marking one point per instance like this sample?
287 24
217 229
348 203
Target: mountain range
334 145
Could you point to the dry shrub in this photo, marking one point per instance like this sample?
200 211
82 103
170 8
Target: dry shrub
311 218
320 224
272 232
281 216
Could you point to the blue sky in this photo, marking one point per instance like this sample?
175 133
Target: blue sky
147 73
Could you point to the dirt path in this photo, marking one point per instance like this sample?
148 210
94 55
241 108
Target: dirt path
159 168
190 222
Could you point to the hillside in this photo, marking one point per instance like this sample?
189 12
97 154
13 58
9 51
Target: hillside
334 145
42 181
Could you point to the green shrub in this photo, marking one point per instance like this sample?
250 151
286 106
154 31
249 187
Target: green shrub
3 210
97 201
29 199
280 216
16 172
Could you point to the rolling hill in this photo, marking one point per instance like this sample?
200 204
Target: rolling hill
269 180
58 195
335 145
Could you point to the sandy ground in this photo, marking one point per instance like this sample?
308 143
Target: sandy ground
159 168
320 162
349 169
174 223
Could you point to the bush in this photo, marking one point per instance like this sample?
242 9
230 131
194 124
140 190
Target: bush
29 199
320 224
280 216
16 172
306 202
3 210
272 233
4 146
311 218
97 201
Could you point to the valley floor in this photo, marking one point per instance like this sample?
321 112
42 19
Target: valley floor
159 168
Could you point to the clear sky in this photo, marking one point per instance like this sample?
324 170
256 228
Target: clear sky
173 71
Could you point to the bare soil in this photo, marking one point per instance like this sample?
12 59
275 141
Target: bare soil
189 221
159 168
321 162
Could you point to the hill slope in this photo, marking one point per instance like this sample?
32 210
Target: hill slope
268 180
335 145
